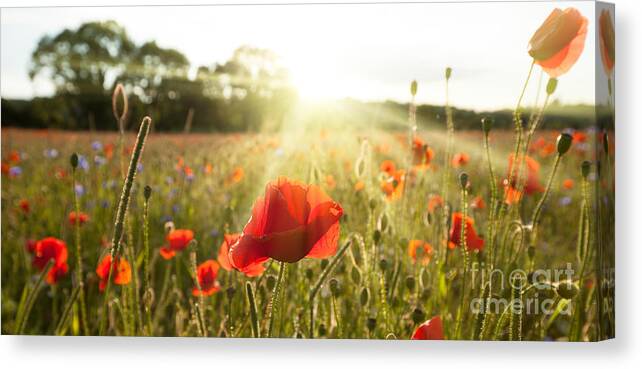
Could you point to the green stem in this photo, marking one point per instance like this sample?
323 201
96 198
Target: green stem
123 204
62 322
256 333
538 209
31 298
275 297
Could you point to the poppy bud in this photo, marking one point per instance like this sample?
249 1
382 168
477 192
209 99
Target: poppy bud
356 275
487 124
410 283
413 88
74 160
324 263
376 236
449 72
586 168
564 142
551 86
322 329
383 264
147 192
418 316
334 286
463 180
230 291
371 323
566 289
364 296
270 282
382 224
309 273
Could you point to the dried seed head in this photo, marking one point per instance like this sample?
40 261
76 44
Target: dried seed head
551 86
586 168
564 142
413 88
334 286
73 160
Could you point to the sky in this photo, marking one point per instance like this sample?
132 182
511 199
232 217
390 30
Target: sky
369 52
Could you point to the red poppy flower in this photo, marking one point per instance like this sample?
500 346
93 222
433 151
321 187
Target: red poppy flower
579 137
25 206
121 271
14 156
430 330
607 41
435 202
330 182
559 41
236 176
359 186
460 159
51 248
224 256
421 154
478 203
293 221
388 166
206 274
511 195
532 184
568 184
79 217
473 241
548 149
393 185
178 240
426 251
108 149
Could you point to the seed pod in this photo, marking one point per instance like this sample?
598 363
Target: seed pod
418 316
586 168
355 274
376 236
382 224
551 86
270 282
487 124
413 88
463 180
335 288
449 72
371 323
73 160
230 291
410 283
309 273
564 142
372 204
383 264
364 297
147 192
566 289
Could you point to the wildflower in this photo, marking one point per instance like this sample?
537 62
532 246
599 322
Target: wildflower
424 249
178 240
388 167
579 137
24 206
330 182
100 160
607 41
14 156
79 217
51 248
206 274
473 241
139 167
478 203
393 185
83 163
293 221
121 271
96 146
359 186
15 171
50 153
565 201
208 168
460 159
236 176
108 150
434 202
80 190
568 184
432 329
421 154
532 184
559 41
511 195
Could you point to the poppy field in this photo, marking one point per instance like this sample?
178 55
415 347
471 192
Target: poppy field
319 231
